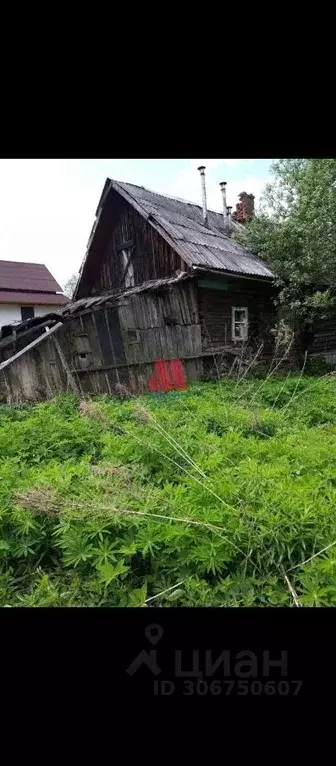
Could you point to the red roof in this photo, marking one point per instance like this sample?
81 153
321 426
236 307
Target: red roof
36 299
15 275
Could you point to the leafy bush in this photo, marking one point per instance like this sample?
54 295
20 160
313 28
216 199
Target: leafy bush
213 496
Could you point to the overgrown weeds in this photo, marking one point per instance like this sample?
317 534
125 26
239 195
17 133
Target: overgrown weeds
188 498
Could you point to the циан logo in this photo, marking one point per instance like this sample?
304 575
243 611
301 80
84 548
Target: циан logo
153 633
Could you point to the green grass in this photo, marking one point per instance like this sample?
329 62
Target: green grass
216 501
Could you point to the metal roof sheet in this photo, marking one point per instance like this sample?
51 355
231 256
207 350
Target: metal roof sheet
198 245
181 223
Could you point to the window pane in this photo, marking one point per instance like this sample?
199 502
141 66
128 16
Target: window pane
240 315
128 268
239 330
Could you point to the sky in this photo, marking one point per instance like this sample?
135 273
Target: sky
47 207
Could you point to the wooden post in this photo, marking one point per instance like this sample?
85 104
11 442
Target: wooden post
70 378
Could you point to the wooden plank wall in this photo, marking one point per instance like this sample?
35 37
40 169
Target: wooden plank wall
36 375
152 257
112 349
126 341
161 325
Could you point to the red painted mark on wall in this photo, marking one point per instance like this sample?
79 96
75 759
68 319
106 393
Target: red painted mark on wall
177 374
168 376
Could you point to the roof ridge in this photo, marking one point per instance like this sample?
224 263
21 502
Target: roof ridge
24 263
167 196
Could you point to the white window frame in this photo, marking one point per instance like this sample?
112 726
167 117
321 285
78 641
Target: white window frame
244 323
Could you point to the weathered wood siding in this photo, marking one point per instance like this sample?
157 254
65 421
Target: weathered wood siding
36 375
152 257
215 306
161 325
324 339
113 348
123 342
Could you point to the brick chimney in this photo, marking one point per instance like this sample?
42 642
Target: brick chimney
244 208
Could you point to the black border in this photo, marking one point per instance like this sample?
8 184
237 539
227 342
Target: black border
91 650
81 119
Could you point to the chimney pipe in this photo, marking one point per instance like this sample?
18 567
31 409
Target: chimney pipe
204 199
223 190
229 208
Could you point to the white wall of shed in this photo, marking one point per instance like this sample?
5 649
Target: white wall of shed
11 312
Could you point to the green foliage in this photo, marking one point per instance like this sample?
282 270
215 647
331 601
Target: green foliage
296 234
50 430
192 498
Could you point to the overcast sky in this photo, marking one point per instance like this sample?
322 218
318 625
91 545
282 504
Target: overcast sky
47 207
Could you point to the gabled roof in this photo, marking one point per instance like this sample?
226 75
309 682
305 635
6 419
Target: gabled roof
16 275
181 224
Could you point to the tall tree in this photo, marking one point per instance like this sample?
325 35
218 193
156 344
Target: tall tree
295 233
70 286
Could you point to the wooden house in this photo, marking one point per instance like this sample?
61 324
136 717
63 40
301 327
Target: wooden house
164 291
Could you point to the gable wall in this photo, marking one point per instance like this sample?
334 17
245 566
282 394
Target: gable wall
152 257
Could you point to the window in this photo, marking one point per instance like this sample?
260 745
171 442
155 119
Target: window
81 350
128 268
133 336
82 343
239 323
27 312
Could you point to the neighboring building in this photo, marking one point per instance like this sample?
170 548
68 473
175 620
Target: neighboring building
27 290
164 291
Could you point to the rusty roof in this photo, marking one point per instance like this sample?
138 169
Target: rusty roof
181 224
17 275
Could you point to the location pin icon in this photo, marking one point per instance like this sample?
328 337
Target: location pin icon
154 633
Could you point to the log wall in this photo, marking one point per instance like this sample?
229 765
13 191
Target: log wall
216 304
324 337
